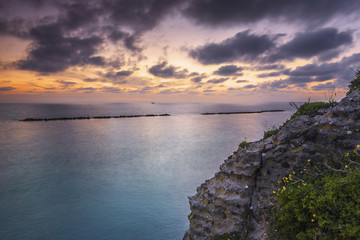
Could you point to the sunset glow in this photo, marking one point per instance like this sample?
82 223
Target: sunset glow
176 51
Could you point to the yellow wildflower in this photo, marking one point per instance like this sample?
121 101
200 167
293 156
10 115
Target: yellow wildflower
309 160
346 166
312 220
314 215
293 172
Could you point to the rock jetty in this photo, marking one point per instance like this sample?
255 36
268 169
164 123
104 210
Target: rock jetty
96 117
224 113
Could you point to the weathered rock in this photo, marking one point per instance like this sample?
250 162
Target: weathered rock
239 196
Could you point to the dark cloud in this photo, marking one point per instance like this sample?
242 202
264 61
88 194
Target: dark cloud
148 88
78 14
46 88
324 86
198 78
208 91
310 70
140 15
218 12
341 72
229 70
71 35
15 27
164 70
217 80
234 89
170 91
242 81
123 73
319 43
66 84
269 67
116 77
110 90
194 74
130 41
116 35
243 46
3 89
91 80
52 52
88 89
249 86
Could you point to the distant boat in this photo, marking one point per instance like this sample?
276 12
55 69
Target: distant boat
152 102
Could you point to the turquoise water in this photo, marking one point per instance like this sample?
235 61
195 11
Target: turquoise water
113 178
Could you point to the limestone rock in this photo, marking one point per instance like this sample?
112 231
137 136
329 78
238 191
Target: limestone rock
239 196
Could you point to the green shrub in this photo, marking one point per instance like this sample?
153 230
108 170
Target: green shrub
309 108
355 83
244 144
318 204
271 132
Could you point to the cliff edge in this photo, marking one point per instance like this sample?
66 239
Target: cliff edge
239 197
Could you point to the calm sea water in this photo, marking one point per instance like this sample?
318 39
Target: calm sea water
114 178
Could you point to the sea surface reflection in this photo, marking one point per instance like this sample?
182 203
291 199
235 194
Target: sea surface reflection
113 178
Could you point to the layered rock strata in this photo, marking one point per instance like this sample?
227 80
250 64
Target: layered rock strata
239 196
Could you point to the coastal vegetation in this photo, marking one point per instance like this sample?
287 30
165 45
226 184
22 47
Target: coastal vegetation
355 83
270 132
321 201
244 144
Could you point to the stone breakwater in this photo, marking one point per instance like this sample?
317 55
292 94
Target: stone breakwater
96 117
240 196
251 112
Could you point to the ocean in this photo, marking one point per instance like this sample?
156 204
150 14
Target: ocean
118 178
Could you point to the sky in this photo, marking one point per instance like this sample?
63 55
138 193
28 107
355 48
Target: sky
233 51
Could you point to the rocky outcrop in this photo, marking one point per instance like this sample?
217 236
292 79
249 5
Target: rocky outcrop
239 196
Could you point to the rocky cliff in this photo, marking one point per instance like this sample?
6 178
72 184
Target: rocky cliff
239 196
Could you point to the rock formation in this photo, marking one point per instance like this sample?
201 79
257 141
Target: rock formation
239 196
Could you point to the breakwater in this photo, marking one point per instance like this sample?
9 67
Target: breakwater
136 116
96 117
249 112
